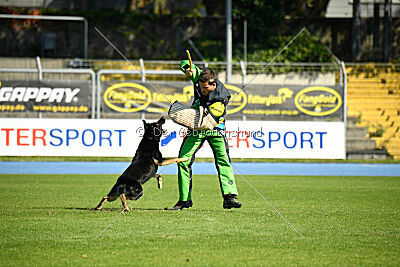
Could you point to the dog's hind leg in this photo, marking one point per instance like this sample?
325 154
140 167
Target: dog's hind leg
104 200
123 200
159 181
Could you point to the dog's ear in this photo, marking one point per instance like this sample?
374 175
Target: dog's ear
161 121
144 122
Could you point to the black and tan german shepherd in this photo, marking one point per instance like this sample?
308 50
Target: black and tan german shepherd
144 166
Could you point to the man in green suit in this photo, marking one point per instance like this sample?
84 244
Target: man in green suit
212 95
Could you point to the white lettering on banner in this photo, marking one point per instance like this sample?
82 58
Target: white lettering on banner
70 94
17 94
31 93
251 139
44 93
25 94
5 93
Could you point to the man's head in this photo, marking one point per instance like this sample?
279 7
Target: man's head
207 81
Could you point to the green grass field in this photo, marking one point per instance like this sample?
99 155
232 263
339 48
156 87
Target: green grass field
48 220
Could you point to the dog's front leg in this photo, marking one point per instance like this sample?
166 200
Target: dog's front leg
164 162
123 200
104 200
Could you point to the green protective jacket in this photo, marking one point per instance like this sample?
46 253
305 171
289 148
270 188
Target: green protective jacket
215 102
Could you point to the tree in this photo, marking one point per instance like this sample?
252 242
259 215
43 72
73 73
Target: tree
263 17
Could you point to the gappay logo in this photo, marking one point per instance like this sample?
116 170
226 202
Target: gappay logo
38 94
127 97
318 101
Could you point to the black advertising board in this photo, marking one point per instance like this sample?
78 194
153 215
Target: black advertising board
272 101
45 96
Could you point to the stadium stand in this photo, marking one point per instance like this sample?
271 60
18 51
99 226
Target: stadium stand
373 97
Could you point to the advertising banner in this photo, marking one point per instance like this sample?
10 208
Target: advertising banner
247 139
45 96
297 102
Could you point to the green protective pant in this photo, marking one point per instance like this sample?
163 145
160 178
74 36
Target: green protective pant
191 144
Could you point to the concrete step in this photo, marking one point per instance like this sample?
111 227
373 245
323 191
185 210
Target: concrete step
360 144
368 154
355 132
351 121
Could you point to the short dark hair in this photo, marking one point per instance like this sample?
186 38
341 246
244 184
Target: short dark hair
208 75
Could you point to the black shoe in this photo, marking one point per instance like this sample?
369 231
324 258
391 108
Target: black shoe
180 205
231 202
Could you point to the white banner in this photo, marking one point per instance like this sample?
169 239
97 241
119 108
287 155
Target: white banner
247 139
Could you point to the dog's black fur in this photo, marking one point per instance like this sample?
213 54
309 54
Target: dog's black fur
144 166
